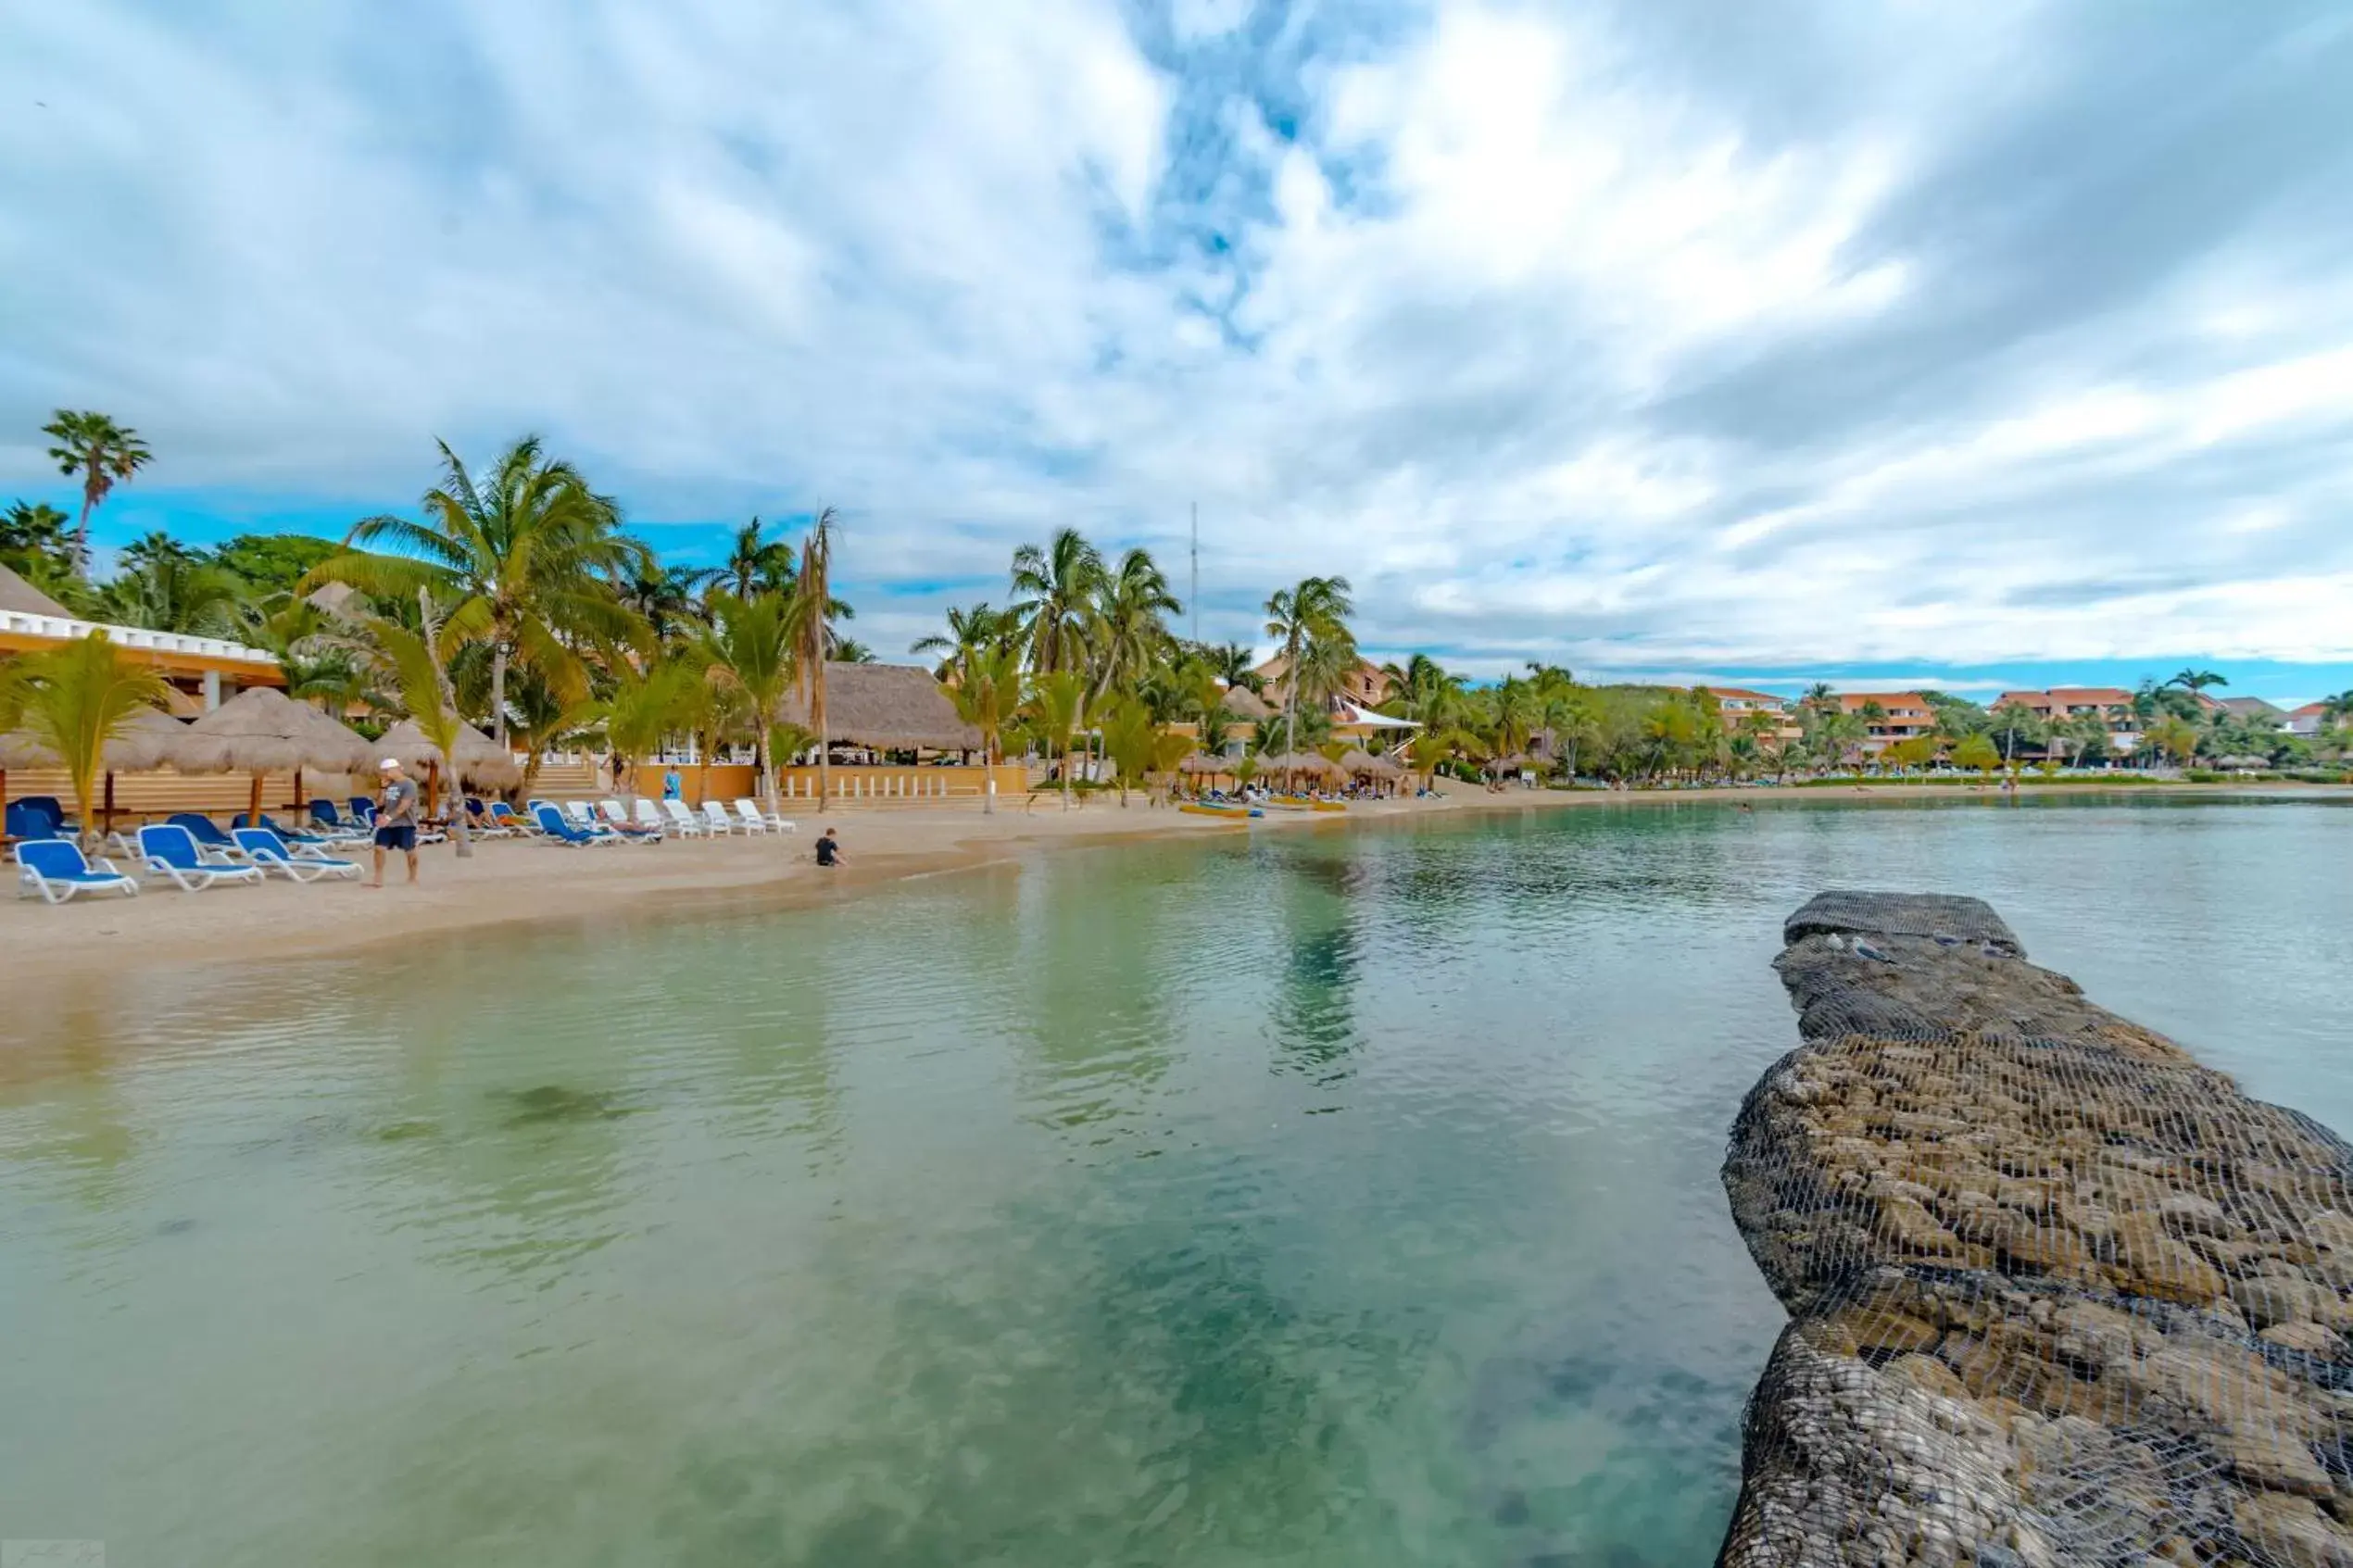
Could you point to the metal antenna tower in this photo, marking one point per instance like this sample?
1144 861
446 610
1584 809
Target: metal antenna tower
1195 596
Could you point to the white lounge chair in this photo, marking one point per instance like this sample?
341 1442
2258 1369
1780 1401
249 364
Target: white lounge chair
716 822
616 817
662 818
759 821
688 824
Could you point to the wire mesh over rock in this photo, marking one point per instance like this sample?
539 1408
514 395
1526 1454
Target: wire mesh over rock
2060 1295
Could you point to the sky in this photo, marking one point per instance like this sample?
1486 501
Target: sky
1890 343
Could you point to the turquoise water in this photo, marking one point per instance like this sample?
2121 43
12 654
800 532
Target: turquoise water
1321 1198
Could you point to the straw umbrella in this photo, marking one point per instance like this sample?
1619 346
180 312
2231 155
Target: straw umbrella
481 761
147 740
262 730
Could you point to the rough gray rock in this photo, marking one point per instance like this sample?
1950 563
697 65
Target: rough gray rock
2059 1294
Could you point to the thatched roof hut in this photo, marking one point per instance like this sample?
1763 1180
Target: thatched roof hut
151 739
22 597
1511 764
886 707
263 730
1246 706
1300 764
481 762
1202 765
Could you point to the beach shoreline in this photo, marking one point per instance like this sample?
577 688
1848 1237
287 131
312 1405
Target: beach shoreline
509 886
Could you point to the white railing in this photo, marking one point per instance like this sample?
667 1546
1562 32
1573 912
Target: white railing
25 623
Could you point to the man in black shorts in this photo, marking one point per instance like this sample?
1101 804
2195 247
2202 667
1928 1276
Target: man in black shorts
828 852
395 820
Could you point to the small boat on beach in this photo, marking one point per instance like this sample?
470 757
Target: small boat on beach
1308 803
1211 808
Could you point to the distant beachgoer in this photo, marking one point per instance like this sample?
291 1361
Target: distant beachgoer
1747 809
671 788
828 852
395 820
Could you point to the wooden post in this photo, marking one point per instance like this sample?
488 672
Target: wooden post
252 807
105 812
297 791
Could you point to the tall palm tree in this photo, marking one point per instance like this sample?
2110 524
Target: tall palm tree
1236 664
1057 703
2196 681
104 454
748 649
76 698
1127 625
172 591
663 597
1055 586
33 538
987 693
1313 613
812 635
527 552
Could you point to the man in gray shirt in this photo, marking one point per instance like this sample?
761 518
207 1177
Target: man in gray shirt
396 819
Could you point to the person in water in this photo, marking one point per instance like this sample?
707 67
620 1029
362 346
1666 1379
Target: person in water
828 851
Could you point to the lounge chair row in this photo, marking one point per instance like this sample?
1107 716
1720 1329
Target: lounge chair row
57 870
611 822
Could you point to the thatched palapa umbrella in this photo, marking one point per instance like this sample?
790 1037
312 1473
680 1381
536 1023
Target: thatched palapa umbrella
262 730
482 762
1202 765
147 740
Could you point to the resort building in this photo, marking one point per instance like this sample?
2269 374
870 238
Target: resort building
2112 704
1898 716
2255 709
203 672
1740 706
2305 721
1365 685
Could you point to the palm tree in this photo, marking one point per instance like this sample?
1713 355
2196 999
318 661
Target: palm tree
32 539
1573 720
425 692
748 649
983 625
1127 623
754 565
642 710
527 555
172 591
663 597
1057 703
1055 586
2176 737
812 637
2196 681
986 692
1315 612
76 698
104 453
1131 738
1235 664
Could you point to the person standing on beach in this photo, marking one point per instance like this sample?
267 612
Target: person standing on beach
671 788
396 819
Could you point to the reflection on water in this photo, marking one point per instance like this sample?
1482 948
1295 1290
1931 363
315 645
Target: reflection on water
1316 1198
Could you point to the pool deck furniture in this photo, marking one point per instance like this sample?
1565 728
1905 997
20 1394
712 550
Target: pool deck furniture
54 869
269 852
715 820
172 853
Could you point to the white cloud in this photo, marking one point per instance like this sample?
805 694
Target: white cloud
1560 332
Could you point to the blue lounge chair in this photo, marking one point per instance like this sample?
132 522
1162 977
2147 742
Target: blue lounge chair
172 853
324 816
301 843
269 852
207 833
553 827
481 822
48 808
363 811
55 869
23 822
506 817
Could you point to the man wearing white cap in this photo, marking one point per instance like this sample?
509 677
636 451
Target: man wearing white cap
396 819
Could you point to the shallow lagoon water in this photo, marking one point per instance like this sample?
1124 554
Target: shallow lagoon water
1316 1199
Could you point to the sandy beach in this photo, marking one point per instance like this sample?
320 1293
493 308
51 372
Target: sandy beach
515 882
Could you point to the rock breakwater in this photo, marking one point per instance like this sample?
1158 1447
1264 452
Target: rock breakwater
2058 1293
